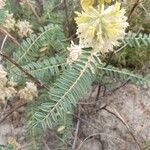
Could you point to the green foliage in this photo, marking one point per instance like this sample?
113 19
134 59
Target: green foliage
56 107
44 56
123 75
41 70
136 52
2 16
24 11
147 145
132 58
54 11
71 85
52 14
29 50
6 147
137 40
13 7
34 136
67 123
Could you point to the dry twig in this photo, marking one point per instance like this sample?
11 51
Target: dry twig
11 110
3 43
136 4
117 115
96 134
33 10
10 36
76 132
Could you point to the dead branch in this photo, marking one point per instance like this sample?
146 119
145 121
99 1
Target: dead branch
10 36
13 109
126 125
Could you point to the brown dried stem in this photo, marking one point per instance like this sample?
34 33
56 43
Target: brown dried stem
118 116
10 36
11 110
36 81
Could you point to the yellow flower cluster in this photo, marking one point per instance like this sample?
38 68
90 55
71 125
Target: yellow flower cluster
9 22
24 28
74 52
29 92
7 89
101 27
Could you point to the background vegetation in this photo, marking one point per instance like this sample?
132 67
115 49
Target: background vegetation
43 54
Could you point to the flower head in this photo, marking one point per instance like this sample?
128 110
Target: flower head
3 73
86 4
75 52
100 27
29 92
24 28
10 92
6 91
9 22
3 79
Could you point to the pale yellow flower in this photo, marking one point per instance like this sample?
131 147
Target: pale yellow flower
32 88
24 28
2 96
5 90
2 4
9 23
11 83
10 92
3 79
23 3
74 52
86 4
3 73
3 83
101 28
29 92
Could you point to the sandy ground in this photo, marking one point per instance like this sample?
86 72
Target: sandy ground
124 124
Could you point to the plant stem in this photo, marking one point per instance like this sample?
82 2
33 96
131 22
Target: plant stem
11 110
37 82
67 17
10 36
